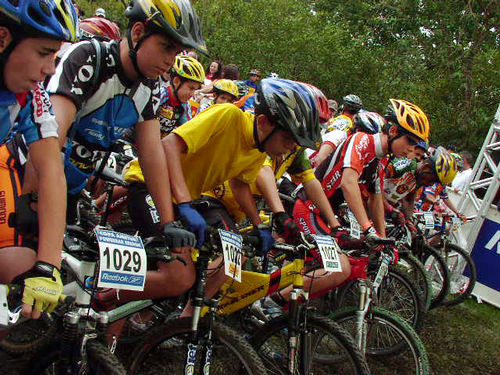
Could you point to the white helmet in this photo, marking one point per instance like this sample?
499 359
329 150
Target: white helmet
100 12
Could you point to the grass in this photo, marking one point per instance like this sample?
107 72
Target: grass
463 339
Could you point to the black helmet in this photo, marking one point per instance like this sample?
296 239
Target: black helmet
175 18
352 102
290 106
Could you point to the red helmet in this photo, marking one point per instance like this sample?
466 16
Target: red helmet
99 27
324 110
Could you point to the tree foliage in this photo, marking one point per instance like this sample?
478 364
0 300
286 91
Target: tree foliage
444 56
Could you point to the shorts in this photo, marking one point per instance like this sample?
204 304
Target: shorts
307 217
10 190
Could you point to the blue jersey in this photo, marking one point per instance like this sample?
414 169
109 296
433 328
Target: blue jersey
29 113
172 113
108 105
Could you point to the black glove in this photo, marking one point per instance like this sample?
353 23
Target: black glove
284 225
398 217
176 237
371 237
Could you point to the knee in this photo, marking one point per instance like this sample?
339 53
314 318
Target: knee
346 268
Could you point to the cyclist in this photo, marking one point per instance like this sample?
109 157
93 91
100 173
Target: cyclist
187 76
30 36
101 90
225 91
351 104
99 27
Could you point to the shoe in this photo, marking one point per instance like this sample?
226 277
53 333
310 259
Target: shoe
139 326
266 309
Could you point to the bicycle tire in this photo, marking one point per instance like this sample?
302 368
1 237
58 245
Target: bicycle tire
164 348
397 293
379 357
29 336
415 270
437 270
267 342
100 361
455 299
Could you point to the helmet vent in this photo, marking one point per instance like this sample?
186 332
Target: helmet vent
14 2
36 16
44 7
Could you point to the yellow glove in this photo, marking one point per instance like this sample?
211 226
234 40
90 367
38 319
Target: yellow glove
42 287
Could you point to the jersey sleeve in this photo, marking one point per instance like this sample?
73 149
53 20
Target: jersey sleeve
197 132
36 120
73 76
359 151
301 169
150 110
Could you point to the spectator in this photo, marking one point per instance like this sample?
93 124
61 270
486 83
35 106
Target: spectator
253 77
214 70
100 12
463 177
230 71
333 105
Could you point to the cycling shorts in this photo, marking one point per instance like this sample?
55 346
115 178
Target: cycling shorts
307 217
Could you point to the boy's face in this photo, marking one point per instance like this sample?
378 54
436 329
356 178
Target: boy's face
281 141
29 63
186 89
157 55
224 98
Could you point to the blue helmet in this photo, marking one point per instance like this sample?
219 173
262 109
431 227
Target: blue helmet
290 106
55 19
369 122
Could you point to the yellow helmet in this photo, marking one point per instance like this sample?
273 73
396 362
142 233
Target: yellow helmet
188 68
445 165
410 117
227 86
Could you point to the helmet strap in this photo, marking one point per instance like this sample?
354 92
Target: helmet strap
132 53
261 144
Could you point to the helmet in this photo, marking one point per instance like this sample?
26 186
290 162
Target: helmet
255 72
290 106
369 122
273 75
459 160
333 105
100 27
324 111
175 18
188 68
242 88
226 86
55 19
444 165
410 117
352 102
99 12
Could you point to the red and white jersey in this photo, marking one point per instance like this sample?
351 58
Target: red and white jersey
361 152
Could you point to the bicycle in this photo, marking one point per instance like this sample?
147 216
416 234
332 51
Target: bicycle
379 333
455 257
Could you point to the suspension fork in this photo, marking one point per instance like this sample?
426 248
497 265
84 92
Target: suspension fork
360 324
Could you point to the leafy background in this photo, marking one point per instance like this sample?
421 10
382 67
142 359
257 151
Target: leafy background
442 55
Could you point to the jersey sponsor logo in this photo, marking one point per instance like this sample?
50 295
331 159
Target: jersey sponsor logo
333 180
362 146
3 208
95 134
38 100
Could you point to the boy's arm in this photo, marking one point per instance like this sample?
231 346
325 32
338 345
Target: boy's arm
174 146
244 197
266 182
376 205
352 195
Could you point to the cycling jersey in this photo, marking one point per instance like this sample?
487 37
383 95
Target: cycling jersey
434 192
361 152
107 104
342 122
246 103
172 113
31 111
220 147
399 178
294 163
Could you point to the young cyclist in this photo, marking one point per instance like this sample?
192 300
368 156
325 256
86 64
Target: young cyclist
30 36
351 104
99 27
225 91
100 91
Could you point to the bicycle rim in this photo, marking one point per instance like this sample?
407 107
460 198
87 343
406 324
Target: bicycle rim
164 349
392 346
329 349
460 286
415 270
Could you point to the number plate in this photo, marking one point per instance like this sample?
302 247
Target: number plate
429 220
382 271
123 261
231 248
355 227
329 250
4 308
455 223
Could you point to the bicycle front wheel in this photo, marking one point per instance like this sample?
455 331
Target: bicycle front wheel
460 286
99 361
165 349
392 345
323 347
